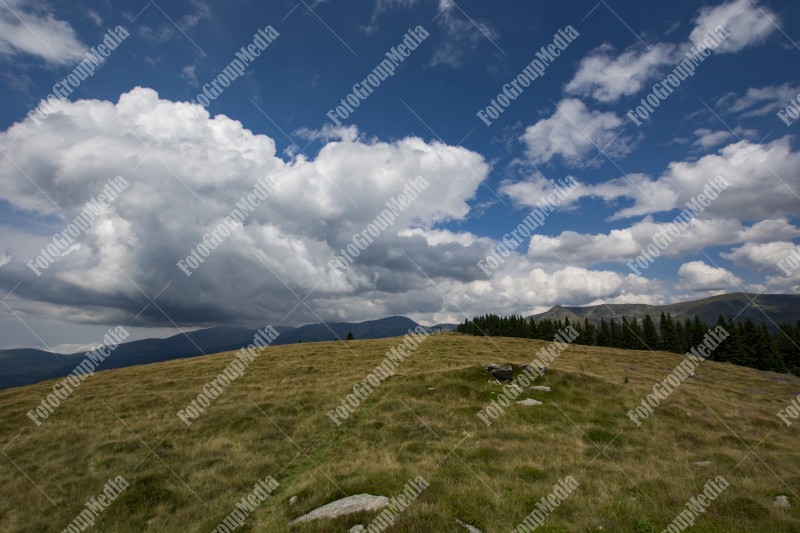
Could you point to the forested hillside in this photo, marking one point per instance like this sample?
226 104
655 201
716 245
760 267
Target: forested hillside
748 344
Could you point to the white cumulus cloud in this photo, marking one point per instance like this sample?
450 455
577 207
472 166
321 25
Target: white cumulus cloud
747 22
30 28
697 276
187 170
573 132
607 76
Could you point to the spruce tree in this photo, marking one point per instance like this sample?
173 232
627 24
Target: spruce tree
667 331
770 358
787 345
588 334
698 331
649 334
603 338
615 338
681 345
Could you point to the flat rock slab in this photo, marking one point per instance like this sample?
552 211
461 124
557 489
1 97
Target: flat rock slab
345 506
530 401
541 387
702 463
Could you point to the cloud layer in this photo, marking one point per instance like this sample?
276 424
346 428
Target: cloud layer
187 170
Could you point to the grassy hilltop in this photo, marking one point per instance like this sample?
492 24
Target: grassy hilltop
422 421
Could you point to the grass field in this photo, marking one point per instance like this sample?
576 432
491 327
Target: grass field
422 421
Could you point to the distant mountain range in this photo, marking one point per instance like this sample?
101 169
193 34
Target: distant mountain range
23 366
768 308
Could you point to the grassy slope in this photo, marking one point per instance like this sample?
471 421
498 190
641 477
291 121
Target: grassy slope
493 478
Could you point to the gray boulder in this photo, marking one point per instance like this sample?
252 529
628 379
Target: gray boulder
503 374
345 506
529 368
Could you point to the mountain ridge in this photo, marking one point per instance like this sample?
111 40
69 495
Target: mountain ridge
773 309
25 366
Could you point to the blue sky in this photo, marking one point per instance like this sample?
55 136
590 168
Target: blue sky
186 166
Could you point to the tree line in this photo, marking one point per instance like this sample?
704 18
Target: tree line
748 344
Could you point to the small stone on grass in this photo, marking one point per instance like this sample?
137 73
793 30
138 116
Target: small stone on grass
530 401
781 502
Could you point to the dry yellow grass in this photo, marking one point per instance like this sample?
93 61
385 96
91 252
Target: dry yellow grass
420 422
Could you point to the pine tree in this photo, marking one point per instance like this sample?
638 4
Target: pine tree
688 336
615 338
638 335
589 332
770 358
787 344
579 328
667 331
350 336
586 334
698 331
681 345
649 334
534 332
749 335
625 335
603 337
734 343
